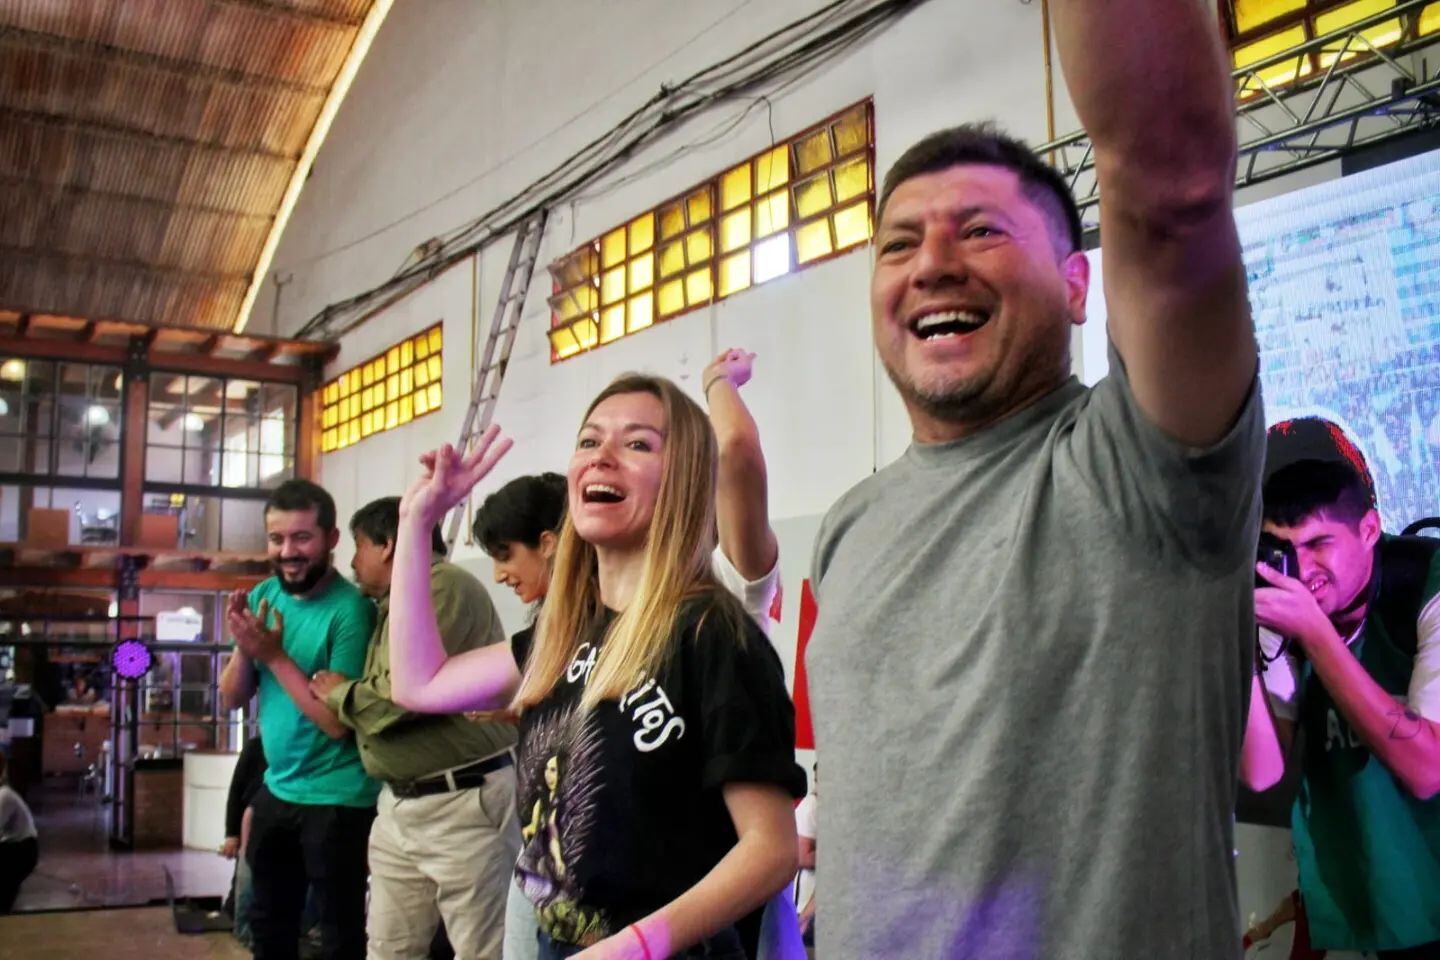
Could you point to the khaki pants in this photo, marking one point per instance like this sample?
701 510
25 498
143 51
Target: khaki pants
449 855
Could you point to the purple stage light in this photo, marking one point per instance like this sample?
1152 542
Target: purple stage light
131 659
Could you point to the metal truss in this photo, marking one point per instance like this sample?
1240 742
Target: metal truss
1349 94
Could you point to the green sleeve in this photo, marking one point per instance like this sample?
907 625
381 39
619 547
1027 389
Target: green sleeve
361 708
463 611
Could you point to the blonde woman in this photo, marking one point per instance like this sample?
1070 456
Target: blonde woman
654 702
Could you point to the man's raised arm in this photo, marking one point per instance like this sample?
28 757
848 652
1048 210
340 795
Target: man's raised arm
1151 85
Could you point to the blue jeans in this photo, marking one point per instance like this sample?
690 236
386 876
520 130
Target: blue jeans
725 945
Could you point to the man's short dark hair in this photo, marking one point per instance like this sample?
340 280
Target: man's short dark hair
520 512
983 144
300 494
1309 488
379 521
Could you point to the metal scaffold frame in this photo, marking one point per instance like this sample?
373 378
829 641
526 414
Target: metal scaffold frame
1364 96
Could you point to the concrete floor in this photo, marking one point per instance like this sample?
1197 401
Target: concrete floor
78 870
141 934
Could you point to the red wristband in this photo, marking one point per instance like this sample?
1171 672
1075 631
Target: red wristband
644 945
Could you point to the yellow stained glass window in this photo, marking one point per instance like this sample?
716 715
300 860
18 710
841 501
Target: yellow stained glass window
772 169
813 196
641 312
642 273
1382 34
735 187
1429 20
672 258
422 405
376 395
734 273
1250 14
735 230
795 202
642 234
697 286
612 323
1285 71
852 132
672 220
772 213
852 180
852 226
812 241
813 152
697 247
612 287
698 206
672 297
612 248
772 258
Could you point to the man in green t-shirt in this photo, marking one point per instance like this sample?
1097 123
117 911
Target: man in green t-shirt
446 836
1360 676
311 820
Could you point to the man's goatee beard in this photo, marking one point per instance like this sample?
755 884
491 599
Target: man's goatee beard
313 575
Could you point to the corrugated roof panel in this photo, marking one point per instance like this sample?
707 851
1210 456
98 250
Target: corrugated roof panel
145 146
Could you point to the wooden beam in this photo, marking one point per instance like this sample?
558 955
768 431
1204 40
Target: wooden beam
265 353
132 458
86 334
307 433
171 361
210 344
22 326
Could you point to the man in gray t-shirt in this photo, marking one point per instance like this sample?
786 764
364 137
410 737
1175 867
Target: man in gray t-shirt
1033 646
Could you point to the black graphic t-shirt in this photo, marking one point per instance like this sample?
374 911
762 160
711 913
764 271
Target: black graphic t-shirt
621 808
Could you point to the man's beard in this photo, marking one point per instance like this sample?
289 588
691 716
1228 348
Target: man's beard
314 573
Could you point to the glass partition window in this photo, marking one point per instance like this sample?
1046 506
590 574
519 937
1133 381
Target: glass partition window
60 419
218 432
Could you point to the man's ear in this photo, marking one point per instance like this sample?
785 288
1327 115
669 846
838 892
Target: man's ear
388 553
1076 270
332 539
1370 528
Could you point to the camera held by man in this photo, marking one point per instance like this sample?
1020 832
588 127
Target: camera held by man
1349 653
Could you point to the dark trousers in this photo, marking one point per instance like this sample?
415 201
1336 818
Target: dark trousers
1427 951
294 846
725 945
17 861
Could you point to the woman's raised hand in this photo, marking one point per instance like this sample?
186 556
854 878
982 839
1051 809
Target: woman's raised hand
446 478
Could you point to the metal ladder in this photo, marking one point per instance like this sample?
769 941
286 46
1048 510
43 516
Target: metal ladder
503 325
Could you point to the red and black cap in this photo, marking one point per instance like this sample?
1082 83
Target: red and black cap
1313 438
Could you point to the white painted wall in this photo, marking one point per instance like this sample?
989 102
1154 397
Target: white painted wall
461 103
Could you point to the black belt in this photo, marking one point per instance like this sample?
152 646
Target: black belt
461 779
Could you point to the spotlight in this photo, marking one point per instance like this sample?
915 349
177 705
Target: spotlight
12 369
97 416
194 423
131 659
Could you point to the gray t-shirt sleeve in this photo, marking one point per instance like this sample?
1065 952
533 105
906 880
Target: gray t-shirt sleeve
1177 499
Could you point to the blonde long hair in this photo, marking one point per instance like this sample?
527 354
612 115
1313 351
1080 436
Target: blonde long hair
676 565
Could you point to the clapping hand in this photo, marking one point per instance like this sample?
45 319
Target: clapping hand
253 634
447 478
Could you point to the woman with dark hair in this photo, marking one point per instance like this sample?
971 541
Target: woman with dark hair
672 808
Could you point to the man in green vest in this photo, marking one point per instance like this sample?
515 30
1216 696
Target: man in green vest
446 836
1350 655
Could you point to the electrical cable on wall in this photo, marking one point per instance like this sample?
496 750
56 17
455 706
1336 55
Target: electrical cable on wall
780 58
